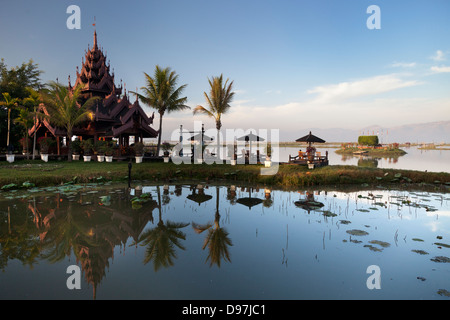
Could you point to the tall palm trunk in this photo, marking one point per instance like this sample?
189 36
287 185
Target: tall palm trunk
69 145
9 128
159 133
218 126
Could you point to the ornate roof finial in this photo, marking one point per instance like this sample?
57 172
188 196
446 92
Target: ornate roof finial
95 36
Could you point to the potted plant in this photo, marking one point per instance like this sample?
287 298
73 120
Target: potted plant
44 145
108 148
26 143
166 149
99 150
311 152
87 147
138 149
76 149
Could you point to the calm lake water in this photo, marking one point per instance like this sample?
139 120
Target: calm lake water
223 242
415 159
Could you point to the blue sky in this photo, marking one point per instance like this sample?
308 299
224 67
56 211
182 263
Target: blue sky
295 64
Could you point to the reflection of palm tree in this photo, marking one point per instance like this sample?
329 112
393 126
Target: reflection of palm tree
18 240
162 240
217 239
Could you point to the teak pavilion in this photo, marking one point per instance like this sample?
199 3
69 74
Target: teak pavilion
114 116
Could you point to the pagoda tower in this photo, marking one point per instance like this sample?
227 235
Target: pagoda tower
114 116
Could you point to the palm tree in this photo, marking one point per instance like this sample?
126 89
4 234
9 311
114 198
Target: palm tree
25 119
65 110
31 102
218 102
162 94
9 103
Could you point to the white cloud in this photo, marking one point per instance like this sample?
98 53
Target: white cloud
442 69
439 56
403 64
358 88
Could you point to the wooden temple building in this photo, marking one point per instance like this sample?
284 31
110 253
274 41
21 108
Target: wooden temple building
114 115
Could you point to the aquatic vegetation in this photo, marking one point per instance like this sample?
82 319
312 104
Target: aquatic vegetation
327 213
441 259
356 232
442 244
443 292
421 252
380 243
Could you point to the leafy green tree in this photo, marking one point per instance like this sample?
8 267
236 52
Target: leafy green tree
15 82
32 102
65 110
218 102
161 93
25 119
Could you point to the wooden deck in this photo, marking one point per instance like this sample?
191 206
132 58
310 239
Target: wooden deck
314 162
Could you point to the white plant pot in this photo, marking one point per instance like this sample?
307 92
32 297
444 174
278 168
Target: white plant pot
310 165
87 158
233 162
139 159
10 158
267 163
108 158
44 157
75 157
166 159
100 158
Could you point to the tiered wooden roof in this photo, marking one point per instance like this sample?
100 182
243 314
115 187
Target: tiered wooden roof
114 114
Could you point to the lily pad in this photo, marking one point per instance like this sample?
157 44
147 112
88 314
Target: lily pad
441 259
329 214
356 232
422 252
372 248
27 184
443 292
9 186
442 244
380 243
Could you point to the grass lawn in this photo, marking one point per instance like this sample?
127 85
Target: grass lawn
59 172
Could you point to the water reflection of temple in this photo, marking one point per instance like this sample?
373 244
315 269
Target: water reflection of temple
91 233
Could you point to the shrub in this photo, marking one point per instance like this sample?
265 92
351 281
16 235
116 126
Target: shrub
76 146
87 146
138 148
368 140
44 144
